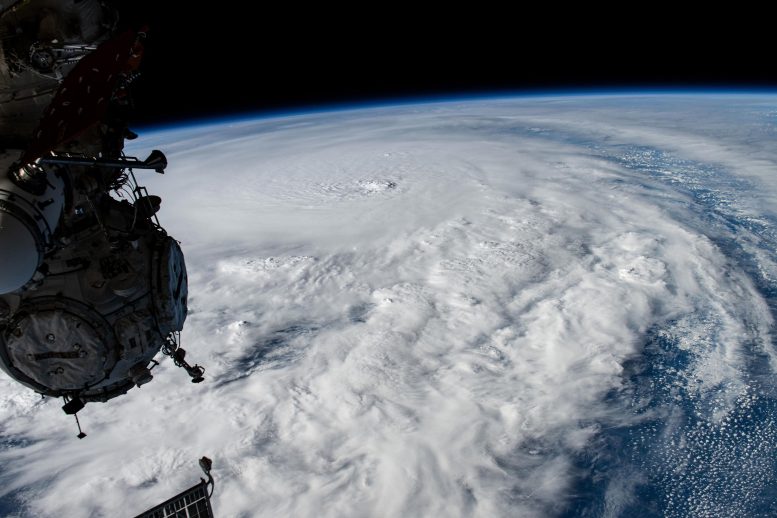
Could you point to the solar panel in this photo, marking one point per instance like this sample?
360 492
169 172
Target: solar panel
192 503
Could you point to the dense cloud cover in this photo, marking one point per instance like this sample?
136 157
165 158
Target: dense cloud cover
518 307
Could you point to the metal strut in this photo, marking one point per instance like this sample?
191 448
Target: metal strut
156 161
206 464
71 407
178 354
81 434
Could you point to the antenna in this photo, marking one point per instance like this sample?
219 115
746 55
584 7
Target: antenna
71 407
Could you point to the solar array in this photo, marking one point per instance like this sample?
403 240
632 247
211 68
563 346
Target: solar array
192 503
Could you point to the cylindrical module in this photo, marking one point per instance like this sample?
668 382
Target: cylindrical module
31 203
20 255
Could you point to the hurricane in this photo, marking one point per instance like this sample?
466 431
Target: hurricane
534 306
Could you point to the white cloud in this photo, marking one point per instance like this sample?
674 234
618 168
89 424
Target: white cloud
412 312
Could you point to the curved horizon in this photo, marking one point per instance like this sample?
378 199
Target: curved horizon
486 95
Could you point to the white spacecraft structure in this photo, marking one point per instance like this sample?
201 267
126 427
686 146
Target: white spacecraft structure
92 288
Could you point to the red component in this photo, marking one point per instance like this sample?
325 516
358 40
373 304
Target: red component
83 97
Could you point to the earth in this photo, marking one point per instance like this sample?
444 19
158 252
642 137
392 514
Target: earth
529 306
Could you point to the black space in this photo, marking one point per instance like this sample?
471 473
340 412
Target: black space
226 60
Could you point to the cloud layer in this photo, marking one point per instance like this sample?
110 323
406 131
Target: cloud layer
530 307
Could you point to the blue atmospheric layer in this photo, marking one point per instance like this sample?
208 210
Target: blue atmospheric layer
395 102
